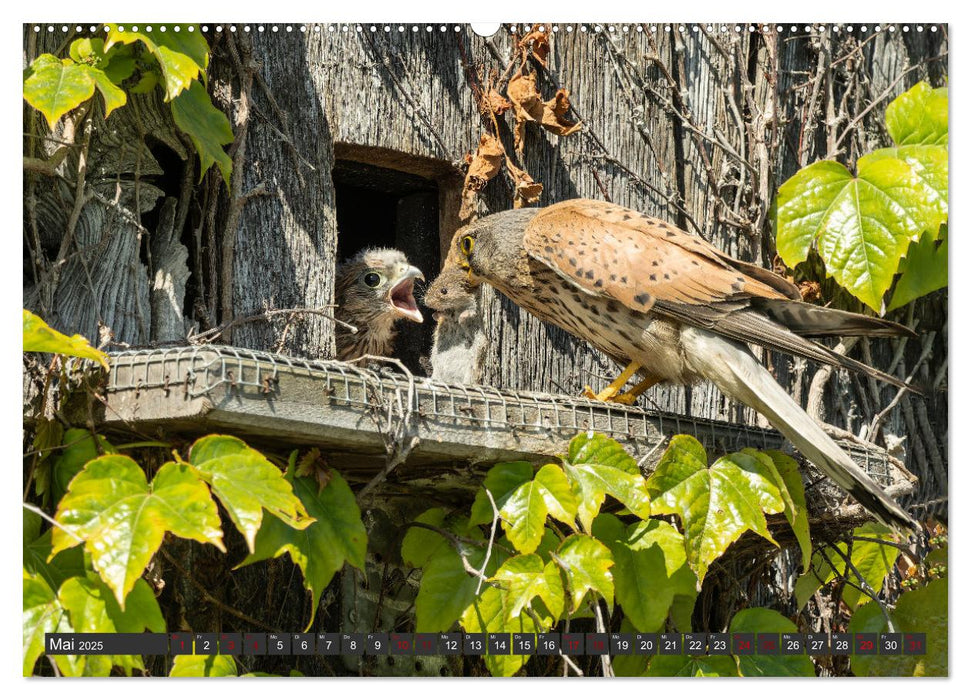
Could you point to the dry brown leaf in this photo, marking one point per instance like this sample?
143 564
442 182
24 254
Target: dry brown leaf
496 103
483 167
486 163
530 107
525 189
538 42
811 291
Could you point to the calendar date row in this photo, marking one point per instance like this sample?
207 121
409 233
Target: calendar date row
474 644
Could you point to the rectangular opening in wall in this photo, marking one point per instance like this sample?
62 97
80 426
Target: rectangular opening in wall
384 208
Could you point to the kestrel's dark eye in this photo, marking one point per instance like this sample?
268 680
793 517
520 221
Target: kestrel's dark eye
373 279
467 244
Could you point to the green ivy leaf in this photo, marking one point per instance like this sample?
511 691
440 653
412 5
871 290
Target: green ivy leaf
554 487
37 555
861 225
596 466
919 116
764 620
596 448
447 589
930 168
586 563
93 608
717 504
43 613
56 87
206 126
692 667
924 270
923 609
246 482
793 497
526 577
146 83
524 516
650 568
79 449
39 337
91 53
320 550
183 56
118 64
501 481
548 544
113 95
87 50
121 519
491 612
198 666
419 544
817 576
524 512
874 561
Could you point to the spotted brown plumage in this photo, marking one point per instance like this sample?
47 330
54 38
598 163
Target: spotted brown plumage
676 309
374 289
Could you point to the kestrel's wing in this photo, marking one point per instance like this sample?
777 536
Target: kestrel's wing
607 250
649 265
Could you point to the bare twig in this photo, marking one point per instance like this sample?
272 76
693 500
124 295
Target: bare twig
399 435
608 669
492 535
835 150
69 530
814 400
865 587
208 336
878 420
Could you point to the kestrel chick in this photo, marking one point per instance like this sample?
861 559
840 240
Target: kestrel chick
374 289
677 309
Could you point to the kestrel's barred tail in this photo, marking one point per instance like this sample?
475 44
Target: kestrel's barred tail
736 372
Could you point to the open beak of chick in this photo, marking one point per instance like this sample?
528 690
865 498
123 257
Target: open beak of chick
402 294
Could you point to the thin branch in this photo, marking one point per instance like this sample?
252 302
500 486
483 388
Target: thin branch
492 535
856 119
878 420
864 587
69 530
608 669
208 336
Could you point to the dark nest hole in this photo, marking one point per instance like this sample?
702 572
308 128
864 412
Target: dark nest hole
380 207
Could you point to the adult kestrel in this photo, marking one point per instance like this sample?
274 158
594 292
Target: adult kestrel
374 289
676 309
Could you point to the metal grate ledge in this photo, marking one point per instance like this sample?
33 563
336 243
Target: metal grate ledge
363 414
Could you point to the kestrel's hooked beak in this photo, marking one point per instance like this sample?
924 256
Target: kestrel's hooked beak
467 266
402 294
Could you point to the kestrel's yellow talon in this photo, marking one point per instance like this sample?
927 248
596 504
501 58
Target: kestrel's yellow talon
629 397
612 391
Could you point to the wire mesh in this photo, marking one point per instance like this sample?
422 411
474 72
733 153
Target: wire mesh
210 370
